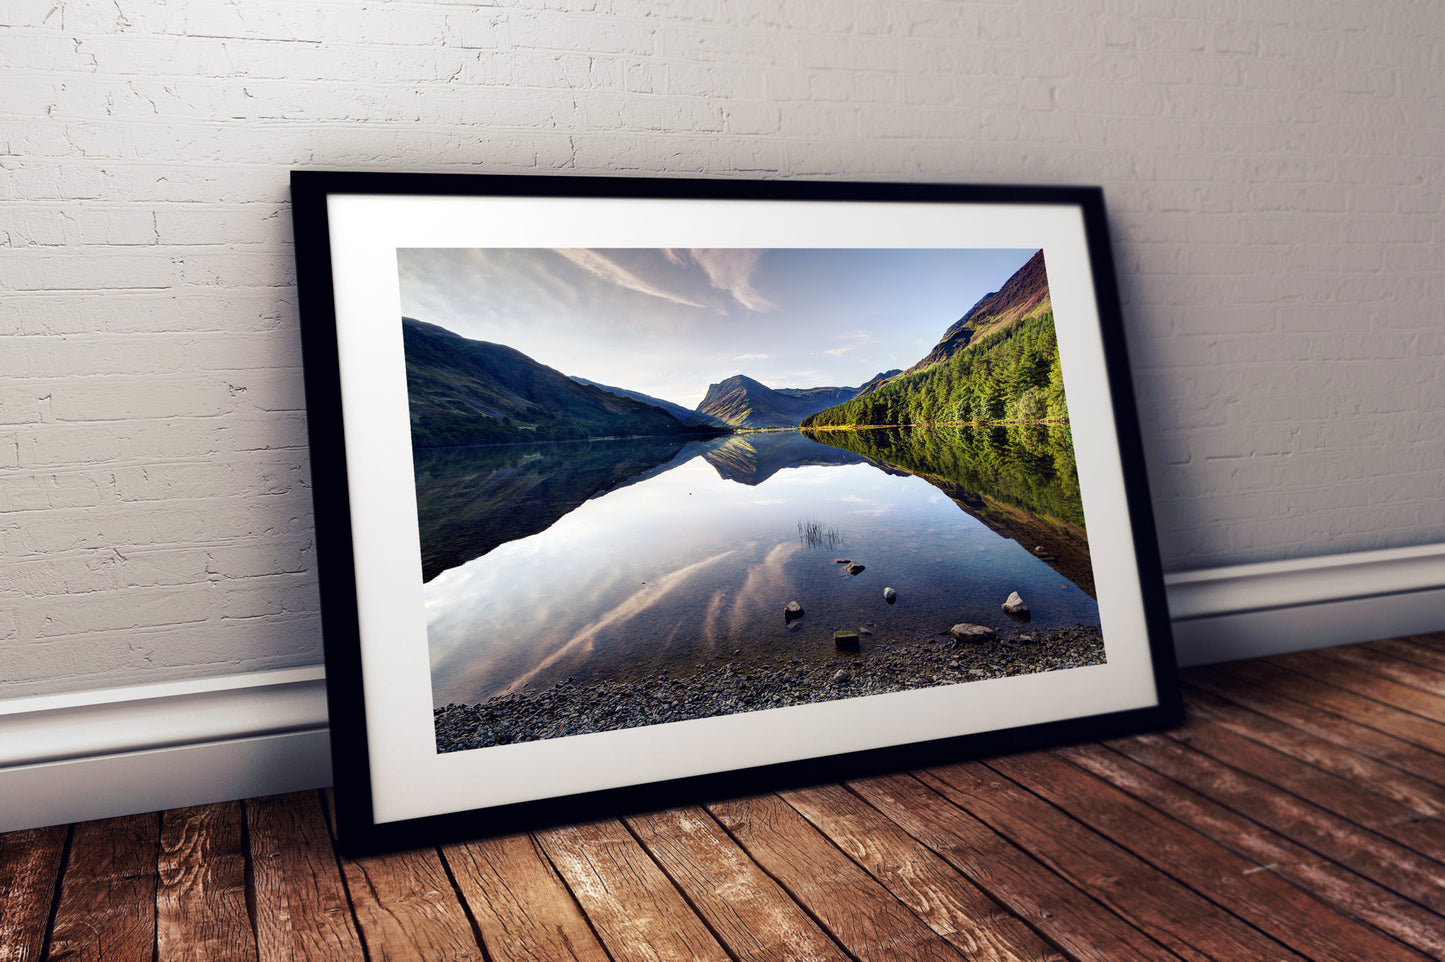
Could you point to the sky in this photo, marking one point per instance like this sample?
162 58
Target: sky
669 322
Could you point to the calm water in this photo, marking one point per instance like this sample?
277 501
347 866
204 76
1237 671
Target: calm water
694 563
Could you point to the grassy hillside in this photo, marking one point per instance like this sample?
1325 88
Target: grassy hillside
466 392
683 414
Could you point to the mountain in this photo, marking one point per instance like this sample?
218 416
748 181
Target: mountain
877 381
465 392
1024 294
999 362
683 414
741 402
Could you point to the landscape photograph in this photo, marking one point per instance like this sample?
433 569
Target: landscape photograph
655 485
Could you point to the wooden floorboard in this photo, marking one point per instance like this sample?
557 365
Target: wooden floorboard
636 910
748 909
107 904
296 894
1186 923
1299 813
523 910
201 911
867 921
29 867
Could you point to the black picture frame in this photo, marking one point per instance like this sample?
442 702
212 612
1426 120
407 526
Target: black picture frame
392 788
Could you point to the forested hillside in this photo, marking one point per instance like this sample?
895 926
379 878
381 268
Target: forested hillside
1024 294
1013 375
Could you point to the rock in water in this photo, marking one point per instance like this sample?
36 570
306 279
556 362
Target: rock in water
973 633
889 595
792 610
854 569
842 676
845 640
1015 606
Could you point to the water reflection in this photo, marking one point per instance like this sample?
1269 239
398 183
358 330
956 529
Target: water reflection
471 499
753 458
1019 479
664 558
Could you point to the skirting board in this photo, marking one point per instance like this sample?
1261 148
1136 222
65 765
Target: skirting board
1249 611
118 751
85 755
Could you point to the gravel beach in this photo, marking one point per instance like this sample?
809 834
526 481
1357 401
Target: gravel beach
569 708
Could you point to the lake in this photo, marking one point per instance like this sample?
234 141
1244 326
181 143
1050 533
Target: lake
627 559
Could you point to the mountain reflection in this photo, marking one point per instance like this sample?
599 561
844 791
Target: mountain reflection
472 499
1019 481
753 458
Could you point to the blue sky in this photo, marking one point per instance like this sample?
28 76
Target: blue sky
669 322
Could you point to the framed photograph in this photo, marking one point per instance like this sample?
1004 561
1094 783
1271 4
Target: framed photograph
633 492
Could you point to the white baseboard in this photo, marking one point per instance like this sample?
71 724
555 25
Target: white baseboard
85 755
118 751
124 783
1248 611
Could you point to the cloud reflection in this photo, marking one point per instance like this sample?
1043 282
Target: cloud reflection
644 598
764 579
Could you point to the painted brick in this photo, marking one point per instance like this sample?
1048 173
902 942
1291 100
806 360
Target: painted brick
1270 171
130 398
253 597
250 561
48 226
1036 94
57 357
113 610
101 569
90 270
41 492
215 225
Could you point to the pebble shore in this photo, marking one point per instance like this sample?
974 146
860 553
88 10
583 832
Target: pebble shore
570 708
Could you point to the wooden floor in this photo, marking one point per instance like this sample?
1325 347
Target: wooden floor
1296 815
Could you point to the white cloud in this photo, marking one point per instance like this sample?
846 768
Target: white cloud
607 269
731 270
856 340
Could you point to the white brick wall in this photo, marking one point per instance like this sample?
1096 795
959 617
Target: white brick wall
1272 170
